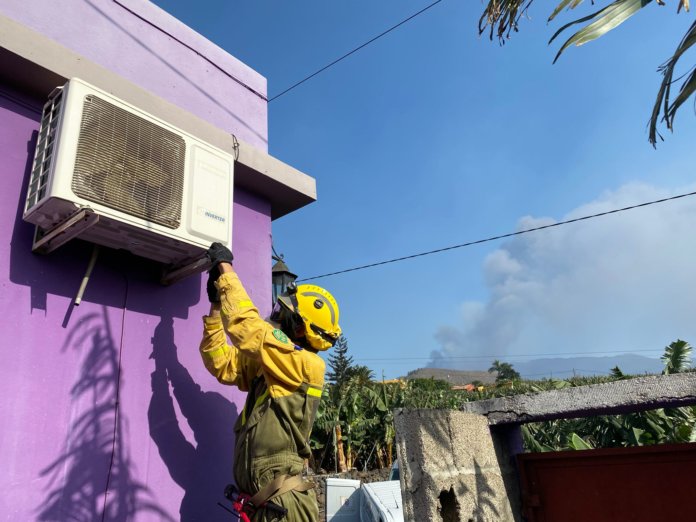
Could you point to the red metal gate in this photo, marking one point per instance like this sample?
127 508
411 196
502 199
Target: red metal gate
645 484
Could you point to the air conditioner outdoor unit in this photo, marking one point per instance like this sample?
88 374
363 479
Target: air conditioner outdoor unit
109 173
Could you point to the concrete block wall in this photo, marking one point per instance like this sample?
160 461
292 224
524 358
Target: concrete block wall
451 469
461 465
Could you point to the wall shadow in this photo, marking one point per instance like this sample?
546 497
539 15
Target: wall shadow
507 442
201 469
55 274
92 479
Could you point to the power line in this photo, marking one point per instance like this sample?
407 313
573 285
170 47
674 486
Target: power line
402 22
503 236
187 46
559 372
507 356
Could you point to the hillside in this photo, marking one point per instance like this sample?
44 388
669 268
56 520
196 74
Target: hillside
454 377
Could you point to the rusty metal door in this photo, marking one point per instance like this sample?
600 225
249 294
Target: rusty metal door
645 484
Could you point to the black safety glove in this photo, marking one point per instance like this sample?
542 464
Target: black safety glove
213 275
219 253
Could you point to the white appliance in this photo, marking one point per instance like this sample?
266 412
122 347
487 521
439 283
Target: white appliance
128 179
342 500
350 501
381 502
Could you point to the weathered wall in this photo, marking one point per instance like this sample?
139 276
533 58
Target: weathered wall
624 396
452 469
461 465
106 407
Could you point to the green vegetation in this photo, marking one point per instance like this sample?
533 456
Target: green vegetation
355 428
339 362
664 425
505 371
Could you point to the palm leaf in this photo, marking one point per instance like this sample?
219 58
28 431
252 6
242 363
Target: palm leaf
677 357
578 443
579 21
636 434
608 18
505 14
570 4
663 96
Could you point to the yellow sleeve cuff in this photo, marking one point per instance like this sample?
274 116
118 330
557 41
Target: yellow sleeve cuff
212 320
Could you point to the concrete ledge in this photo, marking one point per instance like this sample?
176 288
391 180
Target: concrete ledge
450 469
631 395
35 64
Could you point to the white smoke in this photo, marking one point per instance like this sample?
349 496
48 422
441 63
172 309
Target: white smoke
621 282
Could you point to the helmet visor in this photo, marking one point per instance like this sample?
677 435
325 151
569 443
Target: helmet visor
326 336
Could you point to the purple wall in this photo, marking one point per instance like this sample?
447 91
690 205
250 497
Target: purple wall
144 44
106 410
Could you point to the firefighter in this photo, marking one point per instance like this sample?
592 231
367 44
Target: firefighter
277 363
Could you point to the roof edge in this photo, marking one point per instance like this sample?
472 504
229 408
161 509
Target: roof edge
36 64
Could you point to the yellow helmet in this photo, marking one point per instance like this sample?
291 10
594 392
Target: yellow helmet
318 311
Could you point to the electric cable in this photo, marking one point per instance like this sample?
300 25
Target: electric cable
507 356
117 402
402 22
558 372
186 45
502 236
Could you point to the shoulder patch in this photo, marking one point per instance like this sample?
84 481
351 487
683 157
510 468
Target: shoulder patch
280 335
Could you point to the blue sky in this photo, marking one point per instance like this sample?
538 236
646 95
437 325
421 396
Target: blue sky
434 136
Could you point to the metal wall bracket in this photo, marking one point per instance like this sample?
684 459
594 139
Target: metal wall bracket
173 274
46 241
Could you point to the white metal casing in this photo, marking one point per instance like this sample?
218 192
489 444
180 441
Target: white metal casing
206 195
381 502
342 500
350 501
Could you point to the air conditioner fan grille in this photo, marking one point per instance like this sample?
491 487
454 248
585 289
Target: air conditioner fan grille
128 163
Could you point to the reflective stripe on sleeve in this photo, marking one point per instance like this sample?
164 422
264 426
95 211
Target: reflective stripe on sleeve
217 352
314 392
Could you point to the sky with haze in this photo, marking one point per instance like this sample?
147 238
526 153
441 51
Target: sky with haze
434 136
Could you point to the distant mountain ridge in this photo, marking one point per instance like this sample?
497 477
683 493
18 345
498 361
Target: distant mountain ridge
555 367
565 367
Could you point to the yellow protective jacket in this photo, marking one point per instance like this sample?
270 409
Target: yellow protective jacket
284 384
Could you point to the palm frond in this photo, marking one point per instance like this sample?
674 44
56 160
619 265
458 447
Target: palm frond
570 4
677 357
505 14
605 20
662 102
